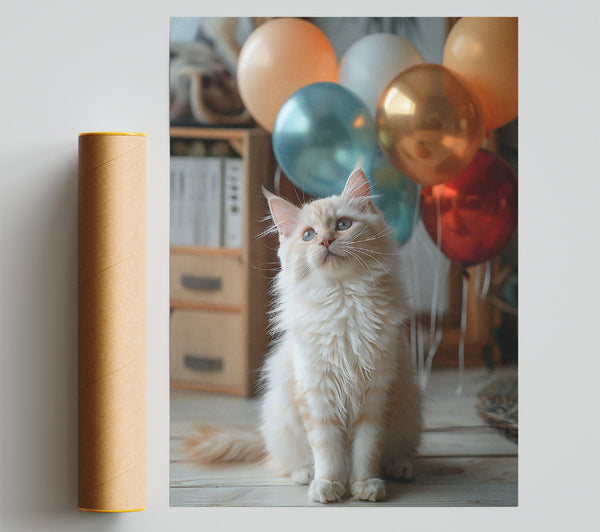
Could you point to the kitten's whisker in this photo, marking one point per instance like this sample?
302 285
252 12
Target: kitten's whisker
385 232
363 263
372 238
272 267
385 263
298 199
387 254
258 269
382 234
261 274
366 253
353 237
268 232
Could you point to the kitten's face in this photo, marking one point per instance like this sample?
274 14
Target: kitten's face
331 238
339 237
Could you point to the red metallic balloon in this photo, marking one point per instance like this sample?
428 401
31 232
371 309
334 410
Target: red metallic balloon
477 210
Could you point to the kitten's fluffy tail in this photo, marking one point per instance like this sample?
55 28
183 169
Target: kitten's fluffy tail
228 444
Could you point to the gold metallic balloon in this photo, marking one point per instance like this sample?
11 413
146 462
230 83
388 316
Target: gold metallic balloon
429 124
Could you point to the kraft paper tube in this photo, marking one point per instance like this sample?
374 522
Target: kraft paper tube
112 322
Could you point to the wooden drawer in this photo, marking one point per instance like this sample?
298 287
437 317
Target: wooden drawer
207 279
207 350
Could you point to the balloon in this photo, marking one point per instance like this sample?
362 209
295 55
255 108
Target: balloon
321 132
277 59
372 62
484 52
478 210
397 197
428 124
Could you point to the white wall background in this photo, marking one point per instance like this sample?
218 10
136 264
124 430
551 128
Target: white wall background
68 67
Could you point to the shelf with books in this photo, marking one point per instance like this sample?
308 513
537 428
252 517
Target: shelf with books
216 275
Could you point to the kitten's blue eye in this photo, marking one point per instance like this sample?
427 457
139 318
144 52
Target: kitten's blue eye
343 224
308 235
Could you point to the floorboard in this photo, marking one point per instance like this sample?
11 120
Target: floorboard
461 462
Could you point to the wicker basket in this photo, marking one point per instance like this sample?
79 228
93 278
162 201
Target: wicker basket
498 405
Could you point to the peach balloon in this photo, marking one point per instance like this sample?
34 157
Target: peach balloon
483 51
278 58
428 124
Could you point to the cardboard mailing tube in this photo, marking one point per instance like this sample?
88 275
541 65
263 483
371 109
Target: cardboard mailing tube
112 322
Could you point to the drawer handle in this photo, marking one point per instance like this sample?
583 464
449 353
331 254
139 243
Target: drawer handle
197 363
206 284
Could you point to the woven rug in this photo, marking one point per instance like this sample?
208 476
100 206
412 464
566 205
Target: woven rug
498 405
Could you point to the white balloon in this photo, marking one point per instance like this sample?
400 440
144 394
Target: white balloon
372 62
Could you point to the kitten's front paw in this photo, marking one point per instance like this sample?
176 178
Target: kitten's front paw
323 490
371 489
302 475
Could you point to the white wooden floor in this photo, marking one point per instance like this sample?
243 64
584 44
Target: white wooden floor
462 461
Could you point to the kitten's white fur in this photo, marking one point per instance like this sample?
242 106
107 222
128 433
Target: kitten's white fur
340 403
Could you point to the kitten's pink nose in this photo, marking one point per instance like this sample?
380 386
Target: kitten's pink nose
327 242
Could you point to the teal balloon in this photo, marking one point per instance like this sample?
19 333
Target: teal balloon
321 131
397 197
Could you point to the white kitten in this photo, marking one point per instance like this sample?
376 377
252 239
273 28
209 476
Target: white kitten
340 403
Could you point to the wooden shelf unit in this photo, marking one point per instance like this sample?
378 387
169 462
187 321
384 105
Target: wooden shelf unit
218 300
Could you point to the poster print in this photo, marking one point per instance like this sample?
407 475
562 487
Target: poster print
342 429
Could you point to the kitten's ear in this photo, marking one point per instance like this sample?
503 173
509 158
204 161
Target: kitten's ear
285 215
358 188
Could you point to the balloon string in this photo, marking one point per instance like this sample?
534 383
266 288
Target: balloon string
461 343
435 343
413 338
435 334
483 288
416 326
416 329
436 270
421 345
486 280
277 180
419 325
